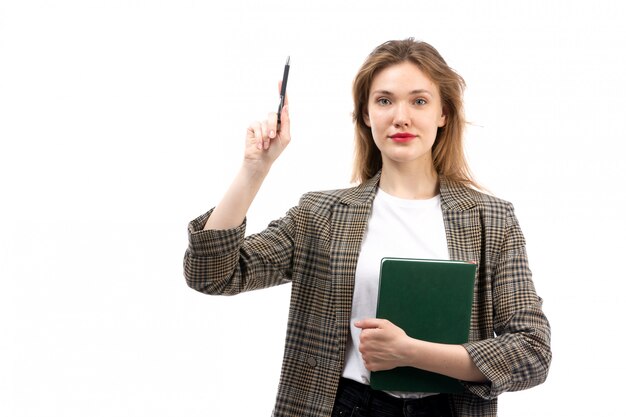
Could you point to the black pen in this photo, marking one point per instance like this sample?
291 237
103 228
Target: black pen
283 92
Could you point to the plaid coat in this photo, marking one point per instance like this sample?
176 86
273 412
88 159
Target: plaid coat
315 246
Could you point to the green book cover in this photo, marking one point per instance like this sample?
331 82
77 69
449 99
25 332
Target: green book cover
430 300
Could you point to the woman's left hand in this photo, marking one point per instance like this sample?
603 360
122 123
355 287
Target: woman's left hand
383 345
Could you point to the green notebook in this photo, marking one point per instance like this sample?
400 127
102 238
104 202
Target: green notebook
430 300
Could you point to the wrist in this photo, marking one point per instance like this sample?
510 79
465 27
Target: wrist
255 169
412 352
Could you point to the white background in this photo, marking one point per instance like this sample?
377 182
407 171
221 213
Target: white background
120 121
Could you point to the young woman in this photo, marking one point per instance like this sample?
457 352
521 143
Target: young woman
415 198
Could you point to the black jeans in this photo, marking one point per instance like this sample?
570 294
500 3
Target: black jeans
359 400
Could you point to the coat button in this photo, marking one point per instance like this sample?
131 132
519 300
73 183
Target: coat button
311 362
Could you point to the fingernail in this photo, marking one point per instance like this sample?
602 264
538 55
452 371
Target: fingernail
272 133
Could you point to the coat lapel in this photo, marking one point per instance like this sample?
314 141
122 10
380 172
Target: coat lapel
462 222
348 224
464 232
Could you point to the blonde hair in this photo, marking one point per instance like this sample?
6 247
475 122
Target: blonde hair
448 154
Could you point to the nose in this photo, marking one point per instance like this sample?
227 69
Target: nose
401 116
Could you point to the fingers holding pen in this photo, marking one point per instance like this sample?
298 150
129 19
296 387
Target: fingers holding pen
266 139
260 135
264 132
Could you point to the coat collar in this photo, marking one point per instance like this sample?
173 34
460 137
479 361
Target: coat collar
454 196
363 193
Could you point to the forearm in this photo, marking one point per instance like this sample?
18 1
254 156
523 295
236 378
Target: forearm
450 360
232 209
384 345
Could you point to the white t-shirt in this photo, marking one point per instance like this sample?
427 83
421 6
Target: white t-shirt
397 228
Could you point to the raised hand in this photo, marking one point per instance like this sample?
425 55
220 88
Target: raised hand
263 145
264 142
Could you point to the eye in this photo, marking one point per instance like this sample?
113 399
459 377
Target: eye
420 101
383 101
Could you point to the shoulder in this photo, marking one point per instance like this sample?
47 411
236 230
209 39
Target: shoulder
490 202
457 196
328 198
496 214
360 195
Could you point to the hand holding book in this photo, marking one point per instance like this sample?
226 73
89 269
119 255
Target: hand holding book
383 345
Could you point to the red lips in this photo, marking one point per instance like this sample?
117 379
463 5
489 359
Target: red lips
402 137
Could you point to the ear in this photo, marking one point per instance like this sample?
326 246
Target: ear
442 120
366 118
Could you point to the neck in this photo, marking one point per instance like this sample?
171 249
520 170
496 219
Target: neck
415 183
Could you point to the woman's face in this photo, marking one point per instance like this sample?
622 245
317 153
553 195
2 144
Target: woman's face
404 111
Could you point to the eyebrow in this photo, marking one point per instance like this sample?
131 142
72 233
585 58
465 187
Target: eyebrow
389 93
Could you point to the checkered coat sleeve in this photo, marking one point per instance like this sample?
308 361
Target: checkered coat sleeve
315 246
